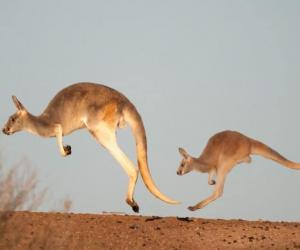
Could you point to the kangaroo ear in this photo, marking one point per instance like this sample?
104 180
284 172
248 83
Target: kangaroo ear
17 103
183 152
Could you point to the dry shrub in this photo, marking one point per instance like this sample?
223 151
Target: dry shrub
18 188
18 191
67 205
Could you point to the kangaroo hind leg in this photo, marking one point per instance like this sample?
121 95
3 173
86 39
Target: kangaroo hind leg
106 136
219 187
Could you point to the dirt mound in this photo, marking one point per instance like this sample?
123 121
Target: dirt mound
26 230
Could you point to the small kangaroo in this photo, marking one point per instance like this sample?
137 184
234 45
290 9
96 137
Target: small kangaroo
223 151
101 110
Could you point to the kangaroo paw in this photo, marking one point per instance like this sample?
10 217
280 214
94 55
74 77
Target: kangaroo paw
212 182
68 150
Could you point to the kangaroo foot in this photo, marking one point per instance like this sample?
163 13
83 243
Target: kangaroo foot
192 208
134 205
136 208
68 150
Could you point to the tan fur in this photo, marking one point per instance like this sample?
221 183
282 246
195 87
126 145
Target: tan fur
223 151
101 110
110 114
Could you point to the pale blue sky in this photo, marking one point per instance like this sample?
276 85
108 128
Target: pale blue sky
192 68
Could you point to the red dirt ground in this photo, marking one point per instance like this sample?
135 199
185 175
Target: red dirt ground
57 231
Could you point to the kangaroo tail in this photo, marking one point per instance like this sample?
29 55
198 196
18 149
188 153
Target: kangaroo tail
260 148
133 118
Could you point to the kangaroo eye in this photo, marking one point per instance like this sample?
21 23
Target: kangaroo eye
13 119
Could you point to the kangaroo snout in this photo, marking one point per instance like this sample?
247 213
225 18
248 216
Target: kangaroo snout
179 172
6 131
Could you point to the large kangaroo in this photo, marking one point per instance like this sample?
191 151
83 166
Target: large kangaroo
223 151
101 110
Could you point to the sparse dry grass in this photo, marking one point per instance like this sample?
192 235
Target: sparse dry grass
19 192
18 188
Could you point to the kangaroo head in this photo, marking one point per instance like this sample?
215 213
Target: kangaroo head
16 122
187 163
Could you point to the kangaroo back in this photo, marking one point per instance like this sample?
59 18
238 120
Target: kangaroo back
262 149
134 120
